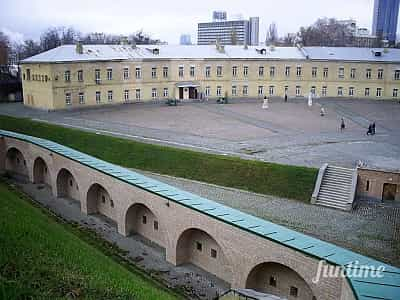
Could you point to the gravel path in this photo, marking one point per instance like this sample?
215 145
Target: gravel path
370 230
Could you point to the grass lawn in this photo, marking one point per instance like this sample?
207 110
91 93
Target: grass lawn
260 177
41 258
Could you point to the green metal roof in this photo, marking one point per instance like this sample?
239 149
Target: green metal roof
387 287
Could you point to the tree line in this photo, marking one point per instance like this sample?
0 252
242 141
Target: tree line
57 36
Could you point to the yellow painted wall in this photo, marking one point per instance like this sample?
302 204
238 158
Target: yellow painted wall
51 94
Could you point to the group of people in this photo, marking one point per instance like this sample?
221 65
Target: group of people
371 129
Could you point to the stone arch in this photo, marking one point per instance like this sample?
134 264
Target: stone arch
67 186
41 172
16 164
198 247
140 219
280 280
99 201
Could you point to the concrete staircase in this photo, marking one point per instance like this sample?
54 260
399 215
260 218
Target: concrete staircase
335 187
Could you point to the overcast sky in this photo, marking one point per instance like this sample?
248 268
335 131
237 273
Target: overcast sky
167 19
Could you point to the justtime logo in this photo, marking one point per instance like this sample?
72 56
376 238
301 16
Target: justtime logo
352 270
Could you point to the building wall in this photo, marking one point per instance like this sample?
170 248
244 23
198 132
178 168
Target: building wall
176 220
370 184
51 95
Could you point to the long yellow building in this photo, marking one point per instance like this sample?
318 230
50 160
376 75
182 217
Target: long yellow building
73 76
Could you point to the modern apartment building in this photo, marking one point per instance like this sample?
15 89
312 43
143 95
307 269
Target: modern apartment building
77 76
385 19
237 32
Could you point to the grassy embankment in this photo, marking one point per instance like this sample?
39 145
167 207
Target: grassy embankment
260 177
44 258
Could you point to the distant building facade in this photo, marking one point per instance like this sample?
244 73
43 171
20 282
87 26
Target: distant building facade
93 75
185 39
385 19
238 32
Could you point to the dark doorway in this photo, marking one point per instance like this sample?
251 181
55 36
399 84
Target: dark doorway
192 93
181 93
389 191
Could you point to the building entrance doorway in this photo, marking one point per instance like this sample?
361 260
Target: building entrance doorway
389 191
187 90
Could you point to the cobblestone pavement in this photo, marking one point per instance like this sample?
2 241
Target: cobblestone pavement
371 230
289 133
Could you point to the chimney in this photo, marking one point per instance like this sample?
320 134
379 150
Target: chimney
79 47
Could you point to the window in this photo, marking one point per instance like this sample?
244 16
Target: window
340 91
286 90
396 74
138 72
213 253
245 90
368 73
245 71
109 74
294 291
219 71
287 71
165 92
351 91
110 96
191 71
325 73
81 98
126 73
68 99
137 94
271 90
208 71
380 73
180 71
298 71
153 72
98 97
67 76
261 71
298 91
126 95
155 225
272 281
199 246
144 219
324 91
153 93
272 71
367 186
28 74
366 92
341 72
313 90
218 91
234 91
207 91
80 75
379 92
234 71
165 72
353 73
395 93
97 76
314 72
260 90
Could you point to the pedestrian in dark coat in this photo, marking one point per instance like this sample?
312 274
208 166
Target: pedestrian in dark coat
373 128
369 129
342 125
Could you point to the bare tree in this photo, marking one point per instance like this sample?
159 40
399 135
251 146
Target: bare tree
289 39
50 39
272 34
326 32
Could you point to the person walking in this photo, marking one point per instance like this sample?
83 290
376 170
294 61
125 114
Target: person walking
373 128
369 132
342 125
285 97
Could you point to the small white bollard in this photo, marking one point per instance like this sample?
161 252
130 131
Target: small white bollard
265 103
310 100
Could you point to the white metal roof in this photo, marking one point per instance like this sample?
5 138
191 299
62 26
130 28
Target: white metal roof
67 53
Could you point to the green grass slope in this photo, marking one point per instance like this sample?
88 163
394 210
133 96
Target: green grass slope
260 177
42 259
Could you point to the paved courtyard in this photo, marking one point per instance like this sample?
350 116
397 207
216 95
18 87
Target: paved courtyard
290 133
